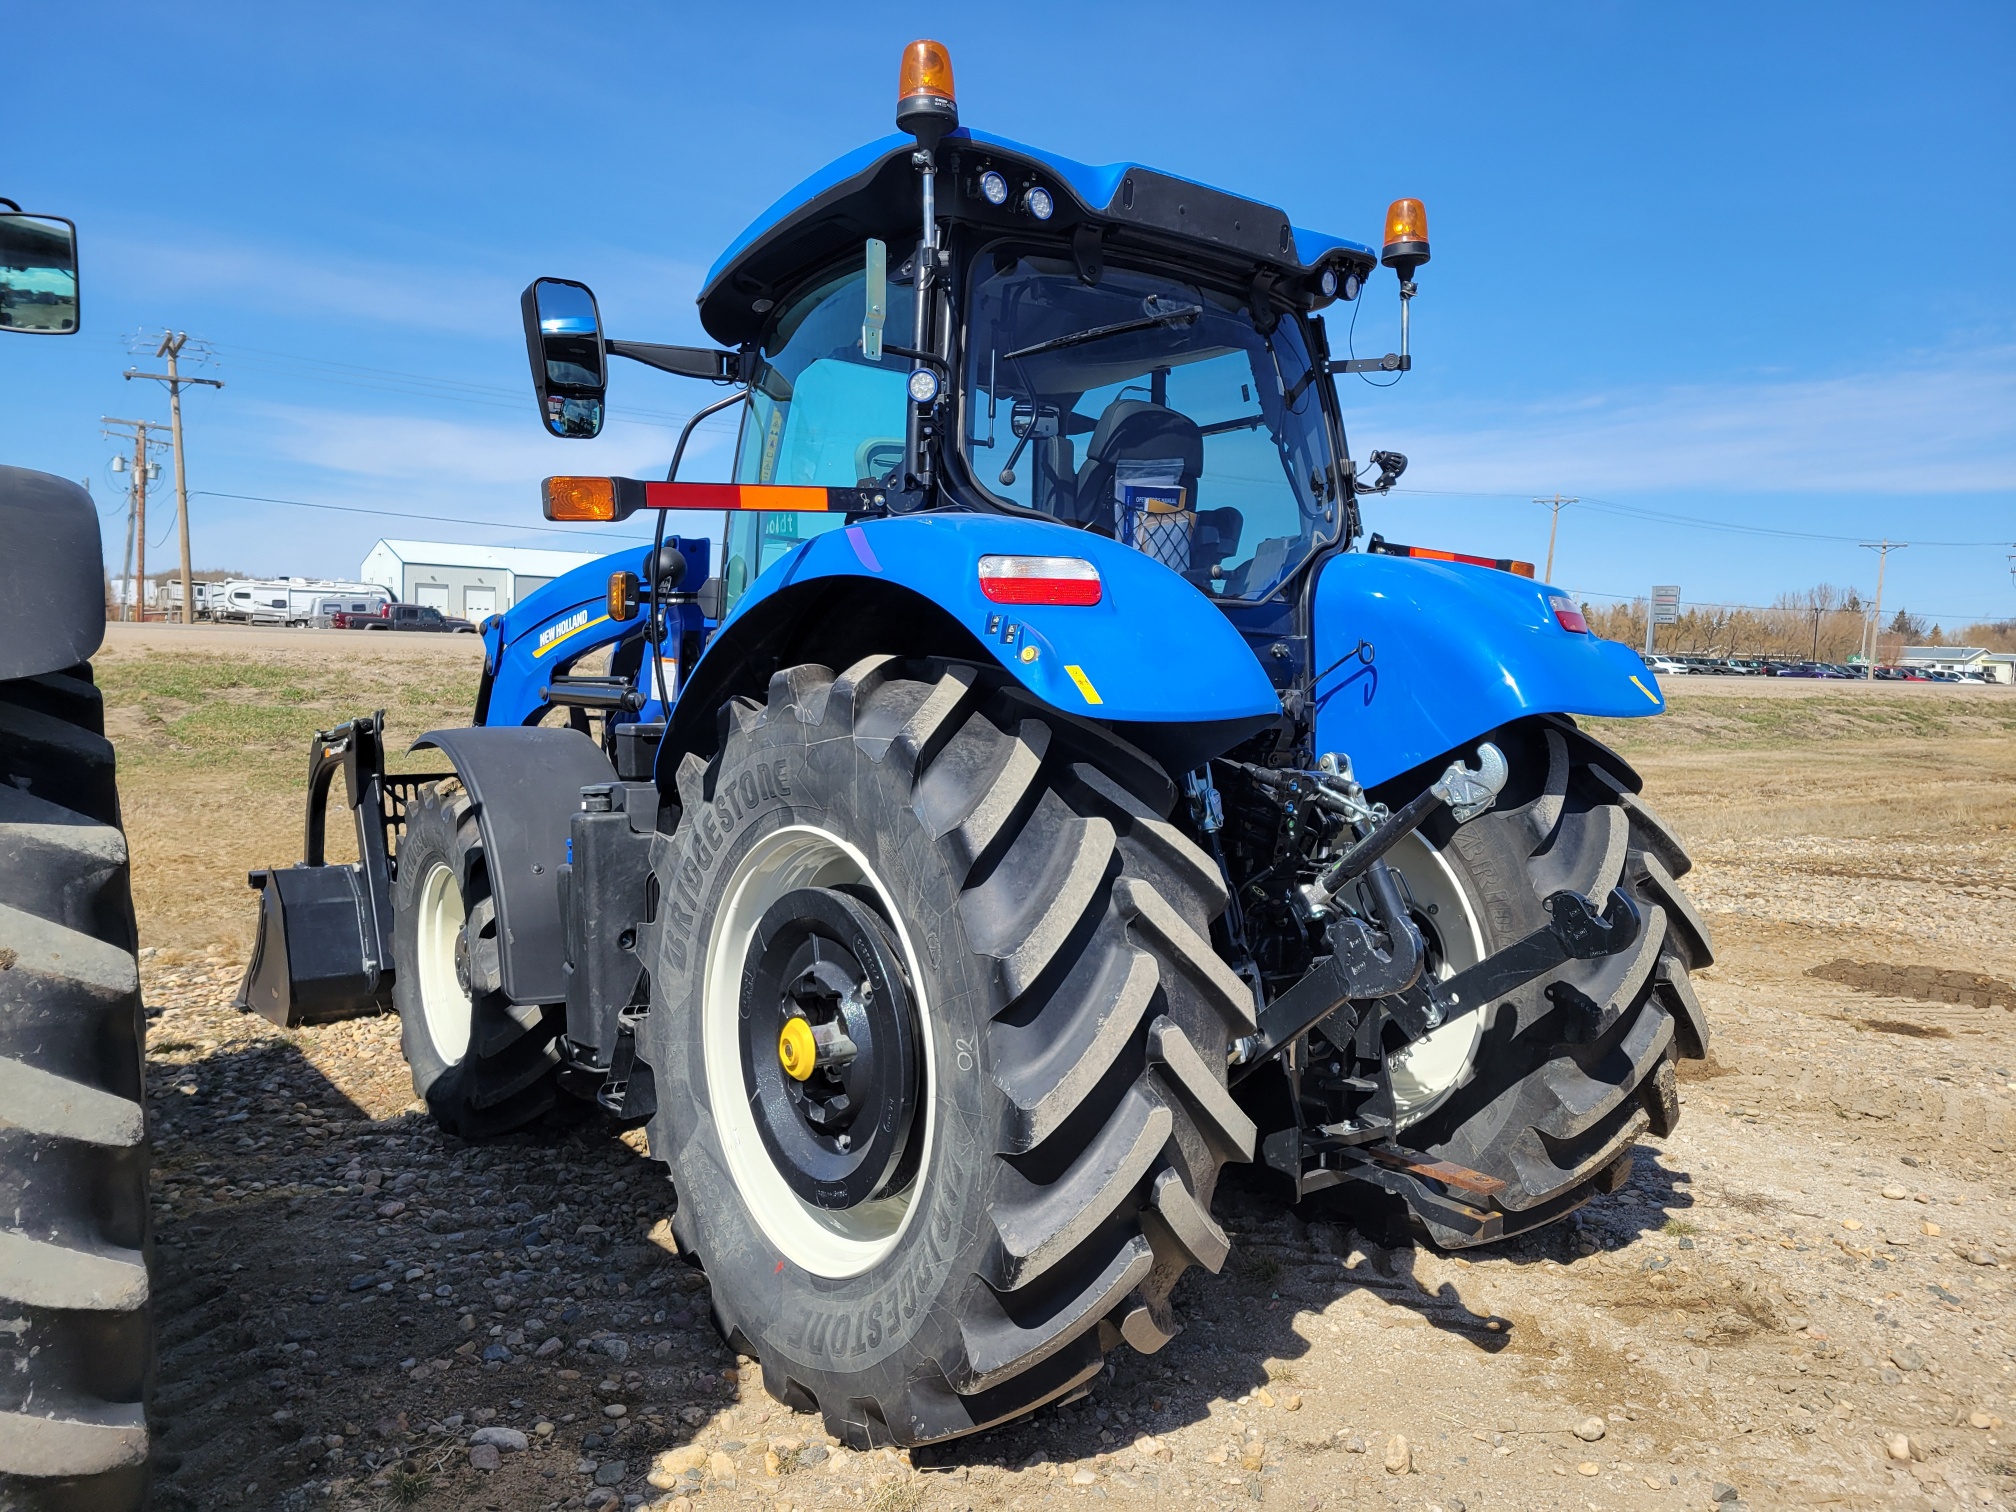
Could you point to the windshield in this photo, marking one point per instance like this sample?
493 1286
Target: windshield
820 413
1150 410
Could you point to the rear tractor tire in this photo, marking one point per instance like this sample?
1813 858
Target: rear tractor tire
76 1337
1549 1090
483 1065
940 1039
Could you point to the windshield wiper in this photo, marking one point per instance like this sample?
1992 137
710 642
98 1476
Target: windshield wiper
1171 316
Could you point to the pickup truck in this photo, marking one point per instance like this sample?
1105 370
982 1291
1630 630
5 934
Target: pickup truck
402 617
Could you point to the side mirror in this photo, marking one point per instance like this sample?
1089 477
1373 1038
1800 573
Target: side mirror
38 273
563 339
877 301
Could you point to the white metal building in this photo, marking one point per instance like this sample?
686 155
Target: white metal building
1994 666
472 581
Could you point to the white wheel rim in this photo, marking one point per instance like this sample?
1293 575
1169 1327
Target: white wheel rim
444 1005
1428 1070
826 1243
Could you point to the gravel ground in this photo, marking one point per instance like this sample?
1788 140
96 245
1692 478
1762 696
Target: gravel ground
1803 1298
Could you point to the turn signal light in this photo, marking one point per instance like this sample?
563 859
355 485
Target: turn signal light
623 592
1406 236
1039 580
579 499
1566 615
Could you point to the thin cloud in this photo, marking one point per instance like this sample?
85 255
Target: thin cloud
1948 428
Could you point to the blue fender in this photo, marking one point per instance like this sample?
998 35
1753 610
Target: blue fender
553 627
1153 652
1455 651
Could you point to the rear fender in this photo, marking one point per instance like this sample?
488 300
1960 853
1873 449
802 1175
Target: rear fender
1453 651
526 784
1155 660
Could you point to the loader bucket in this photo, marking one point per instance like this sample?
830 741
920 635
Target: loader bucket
312 962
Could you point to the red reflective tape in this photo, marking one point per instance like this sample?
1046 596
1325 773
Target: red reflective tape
771 496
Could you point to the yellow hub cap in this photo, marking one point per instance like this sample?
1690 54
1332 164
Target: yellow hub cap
797 1050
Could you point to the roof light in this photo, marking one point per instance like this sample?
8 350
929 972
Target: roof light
1039 203
1566 614
1328 283
925 104
923 385
1351 286
1039 580
993 188
1406 236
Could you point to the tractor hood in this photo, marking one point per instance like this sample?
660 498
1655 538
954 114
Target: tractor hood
873 191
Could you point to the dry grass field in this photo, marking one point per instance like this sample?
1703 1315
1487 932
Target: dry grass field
1802 1299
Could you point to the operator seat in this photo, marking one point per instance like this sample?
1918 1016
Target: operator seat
1135 430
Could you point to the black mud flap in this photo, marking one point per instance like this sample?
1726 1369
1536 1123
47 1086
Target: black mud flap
312 962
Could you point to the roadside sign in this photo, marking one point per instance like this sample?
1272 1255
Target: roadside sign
1666 604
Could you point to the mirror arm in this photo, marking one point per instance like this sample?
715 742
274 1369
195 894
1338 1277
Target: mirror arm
687 362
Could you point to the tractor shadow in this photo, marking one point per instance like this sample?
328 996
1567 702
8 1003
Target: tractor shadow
1302 1302
335 1281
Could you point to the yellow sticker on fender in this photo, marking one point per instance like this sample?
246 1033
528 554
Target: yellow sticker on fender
1084 683
1643 689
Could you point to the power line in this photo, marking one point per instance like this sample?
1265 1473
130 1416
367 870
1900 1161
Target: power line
1882 548
1557 504
172 345
1632 511
405 514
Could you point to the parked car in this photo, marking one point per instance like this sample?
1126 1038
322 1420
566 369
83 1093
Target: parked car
1667 667
406 617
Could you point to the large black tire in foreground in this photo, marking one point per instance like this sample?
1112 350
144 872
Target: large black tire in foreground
484 1065
1018 1162
1565 1074
76 1340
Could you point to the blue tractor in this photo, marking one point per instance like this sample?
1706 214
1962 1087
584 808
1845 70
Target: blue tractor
1051 797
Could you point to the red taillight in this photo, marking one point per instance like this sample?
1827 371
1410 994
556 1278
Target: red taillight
1039 580
1567 615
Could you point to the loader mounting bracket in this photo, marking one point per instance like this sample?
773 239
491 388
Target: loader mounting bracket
324 947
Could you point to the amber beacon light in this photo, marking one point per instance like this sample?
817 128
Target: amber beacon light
1406 236
925 104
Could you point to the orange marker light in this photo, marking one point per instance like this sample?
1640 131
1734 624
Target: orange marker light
927 70
579 499
925 106
1406 236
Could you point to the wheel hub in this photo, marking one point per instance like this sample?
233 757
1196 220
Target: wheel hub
829 1047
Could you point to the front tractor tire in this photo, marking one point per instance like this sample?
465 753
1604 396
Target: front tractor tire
483 1064
76 1335
1549 1090
940 1038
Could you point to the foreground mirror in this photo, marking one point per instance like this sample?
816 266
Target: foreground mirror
38 274
563 339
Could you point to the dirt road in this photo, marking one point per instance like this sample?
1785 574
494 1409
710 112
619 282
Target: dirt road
1803 1298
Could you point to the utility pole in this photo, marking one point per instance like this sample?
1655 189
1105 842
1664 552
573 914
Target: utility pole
136 519
1882 548
1557 504
171 348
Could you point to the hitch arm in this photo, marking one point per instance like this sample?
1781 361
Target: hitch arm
1574 931
1357 967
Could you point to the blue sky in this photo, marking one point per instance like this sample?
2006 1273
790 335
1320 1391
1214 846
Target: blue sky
1708 265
